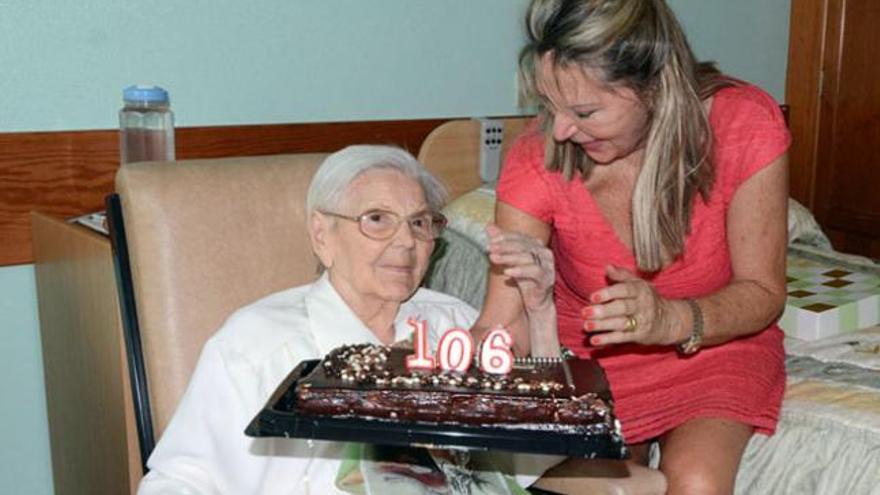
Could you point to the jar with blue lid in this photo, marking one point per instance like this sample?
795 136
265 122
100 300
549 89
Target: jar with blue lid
146 125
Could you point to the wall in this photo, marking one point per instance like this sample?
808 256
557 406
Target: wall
748 38
271 61
262 61
25 465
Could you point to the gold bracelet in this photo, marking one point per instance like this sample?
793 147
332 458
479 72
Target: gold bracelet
692 344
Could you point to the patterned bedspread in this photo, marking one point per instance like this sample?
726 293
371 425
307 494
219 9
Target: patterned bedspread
828 438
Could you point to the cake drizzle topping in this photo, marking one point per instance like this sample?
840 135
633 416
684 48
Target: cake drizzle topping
368 364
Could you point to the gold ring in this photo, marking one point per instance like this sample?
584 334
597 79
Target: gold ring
631 324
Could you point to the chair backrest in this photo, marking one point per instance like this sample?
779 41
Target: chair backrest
452 151
204 238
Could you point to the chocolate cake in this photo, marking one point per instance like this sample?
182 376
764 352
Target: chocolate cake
368 381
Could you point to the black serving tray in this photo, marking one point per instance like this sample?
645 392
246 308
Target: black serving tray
279 418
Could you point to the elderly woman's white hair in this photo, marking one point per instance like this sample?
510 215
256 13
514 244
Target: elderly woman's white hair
340 169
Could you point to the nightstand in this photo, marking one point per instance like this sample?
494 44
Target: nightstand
92 430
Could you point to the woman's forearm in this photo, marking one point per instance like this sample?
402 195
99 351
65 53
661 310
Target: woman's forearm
741 308
757 238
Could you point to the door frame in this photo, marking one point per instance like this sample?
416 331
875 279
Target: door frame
804 88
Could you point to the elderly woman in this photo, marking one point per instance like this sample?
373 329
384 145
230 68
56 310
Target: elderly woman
372 220
660 186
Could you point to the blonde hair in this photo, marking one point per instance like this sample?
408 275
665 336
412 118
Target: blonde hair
637 44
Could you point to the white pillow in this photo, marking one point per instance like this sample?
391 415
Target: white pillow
803 228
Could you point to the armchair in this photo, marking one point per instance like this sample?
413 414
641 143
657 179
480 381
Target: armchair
193 241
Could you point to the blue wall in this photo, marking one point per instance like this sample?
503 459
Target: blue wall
25 465
260 61
748 38
267 61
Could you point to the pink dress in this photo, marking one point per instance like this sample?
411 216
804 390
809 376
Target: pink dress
654 388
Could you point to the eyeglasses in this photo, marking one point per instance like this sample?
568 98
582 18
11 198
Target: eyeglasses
382 224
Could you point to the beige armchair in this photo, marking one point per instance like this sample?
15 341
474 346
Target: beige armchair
201 238
196 239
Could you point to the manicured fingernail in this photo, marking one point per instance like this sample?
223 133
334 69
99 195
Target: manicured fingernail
587 312
595 341
589 326
595 298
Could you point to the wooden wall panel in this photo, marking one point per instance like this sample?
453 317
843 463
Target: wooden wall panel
835 102
849 142
802 88
68 173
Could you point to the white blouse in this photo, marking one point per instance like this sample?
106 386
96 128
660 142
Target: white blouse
204 449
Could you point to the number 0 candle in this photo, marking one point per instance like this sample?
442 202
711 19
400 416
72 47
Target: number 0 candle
456 350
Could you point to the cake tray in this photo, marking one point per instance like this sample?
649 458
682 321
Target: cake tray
280 418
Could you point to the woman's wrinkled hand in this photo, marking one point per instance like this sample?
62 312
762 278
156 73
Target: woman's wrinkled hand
630 310
527 262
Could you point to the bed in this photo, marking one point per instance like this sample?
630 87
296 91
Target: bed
828 438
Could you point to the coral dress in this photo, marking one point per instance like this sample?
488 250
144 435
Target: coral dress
654 388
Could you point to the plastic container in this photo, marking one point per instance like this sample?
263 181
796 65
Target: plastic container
146 125
281 418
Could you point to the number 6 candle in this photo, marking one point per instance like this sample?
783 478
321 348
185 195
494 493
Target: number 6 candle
495 355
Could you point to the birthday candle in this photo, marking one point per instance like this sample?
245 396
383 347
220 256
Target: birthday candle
495 355
456 350
420 360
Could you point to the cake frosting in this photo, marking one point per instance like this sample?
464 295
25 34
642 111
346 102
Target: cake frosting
370 381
